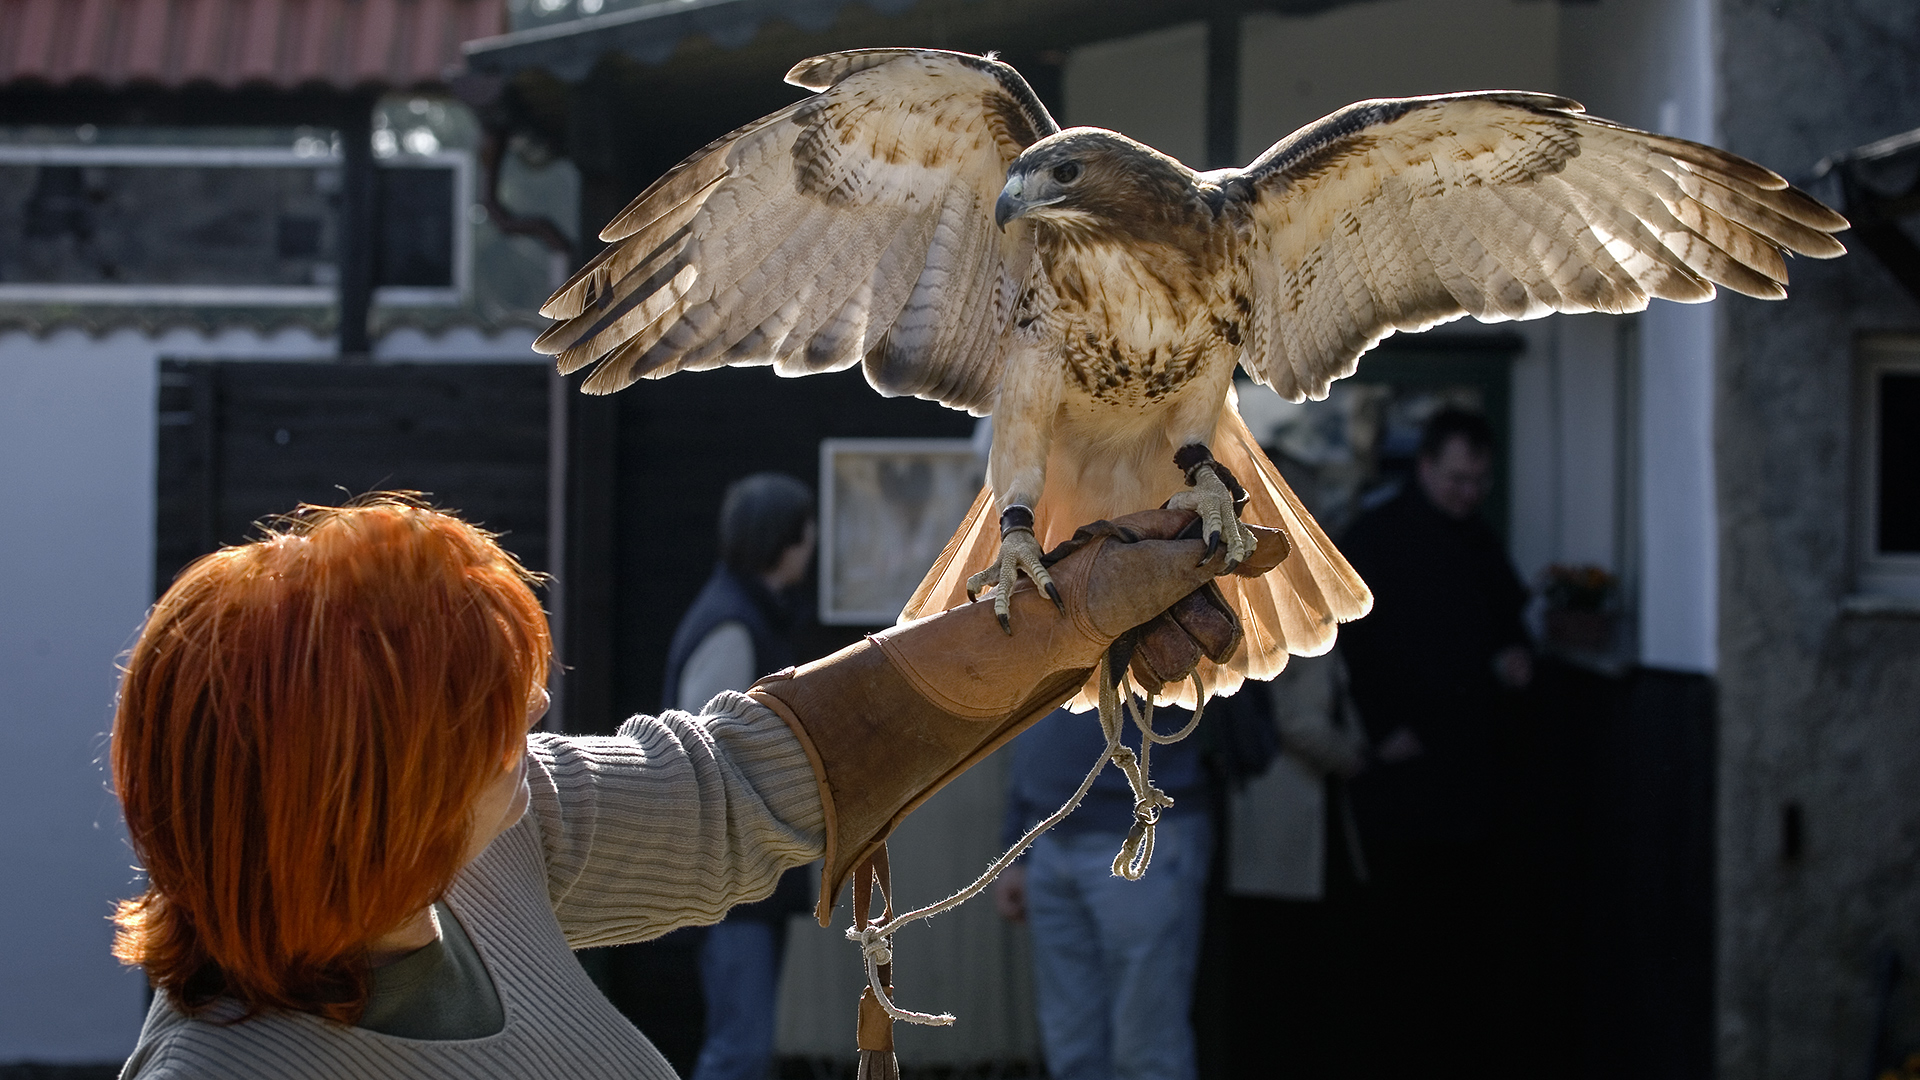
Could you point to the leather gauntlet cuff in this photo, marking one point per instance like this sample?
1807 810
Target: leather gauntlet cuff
883 735
889 721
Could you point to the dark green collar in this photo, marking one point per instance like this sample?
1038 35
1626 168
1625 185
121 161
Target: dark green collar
441 991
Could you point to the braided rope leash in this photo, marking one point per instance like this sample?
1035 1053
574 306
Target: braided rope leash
1136 852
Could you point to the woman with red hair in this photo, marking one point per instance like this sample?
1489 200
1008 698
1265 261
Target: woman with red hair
363 861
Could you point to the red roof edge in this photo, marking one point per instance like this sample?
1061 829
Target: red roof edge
284 44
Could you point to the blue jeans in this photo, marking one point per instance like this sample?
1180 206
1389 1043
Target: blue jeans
1113 960
740 980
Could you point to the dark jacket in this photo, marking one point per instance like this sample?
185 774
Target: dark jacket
1052 757
728 597
1446 601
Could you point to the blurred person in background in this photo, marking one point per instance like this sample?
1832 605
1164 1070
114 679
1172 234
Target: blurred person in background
739 628
1283 935
1113 960
1435 668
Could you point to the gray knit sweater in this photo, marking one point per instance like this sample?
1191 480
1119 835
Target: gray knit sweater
666 824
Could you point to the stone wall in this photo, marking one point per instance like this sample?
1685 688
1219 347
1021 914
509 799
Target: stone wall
1818 708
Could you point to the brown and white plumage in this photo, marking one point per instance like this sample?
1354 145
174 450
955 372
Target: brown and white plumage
1401 214
853 226
923 216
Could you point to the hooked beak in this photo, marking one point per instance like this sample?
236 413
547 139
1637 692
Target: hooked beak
1009 205
1005 209
1013 202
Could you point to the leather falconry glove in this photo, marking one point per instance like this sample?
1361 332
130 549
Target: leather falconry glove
892 719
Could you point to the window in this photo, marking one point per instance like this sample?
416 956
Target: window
1888 470
220 226
420 255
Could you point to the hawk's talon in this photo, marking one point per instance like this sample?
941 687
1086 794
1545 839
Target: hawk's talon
1019 553
1213 501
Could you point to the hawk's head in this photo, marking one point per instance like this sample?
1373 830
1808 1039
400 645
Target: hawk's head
1094 180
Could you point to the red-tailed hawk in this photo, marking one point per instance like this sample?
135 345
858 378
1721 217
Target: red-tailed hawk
924 217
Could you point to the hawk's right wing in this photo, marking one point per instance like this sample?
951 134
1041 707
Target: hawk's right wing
1400 213
854 224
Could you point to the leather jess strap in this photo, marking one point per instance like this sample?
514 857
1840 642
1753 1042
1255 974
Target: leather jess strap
875 1026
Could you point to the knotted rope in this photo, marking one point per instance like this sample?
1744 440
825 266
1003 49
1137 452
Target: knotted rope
1117 702
1136 851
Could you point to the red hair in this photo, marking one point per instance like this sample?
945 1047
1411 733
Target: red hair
301 733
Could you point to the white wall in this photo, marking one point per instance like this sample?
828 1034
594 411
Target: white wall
1295 69
77 444
1649 64
1679 526
1569 421
76 519
1152 88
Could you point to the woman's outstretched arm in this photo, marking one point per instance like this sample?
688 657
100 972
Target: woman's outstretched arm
671 821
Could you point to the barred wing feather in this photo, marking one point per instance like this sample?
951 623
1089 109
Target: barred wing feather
855 226
1399 214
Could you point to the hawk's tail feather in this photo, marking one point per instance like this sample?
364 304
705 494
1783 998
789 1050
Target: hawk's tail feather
1296 608
972 546
1331 589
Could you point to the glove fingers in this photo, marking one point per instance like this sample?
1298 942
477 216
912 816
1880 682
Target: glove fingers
1165 653
1127 584
1271 548
1204 618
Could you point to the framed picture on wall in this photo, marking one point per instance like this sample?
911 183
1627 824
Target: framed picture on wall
887 508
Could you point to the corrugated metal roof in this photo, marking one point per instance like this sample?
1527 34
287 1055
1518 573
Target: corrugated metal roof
231 43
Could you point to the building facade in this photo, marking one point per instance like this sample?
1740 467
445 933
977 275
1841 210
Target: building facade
1753 891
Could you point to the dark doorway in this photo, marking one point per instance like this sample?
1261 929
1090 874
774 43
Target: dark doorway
243 440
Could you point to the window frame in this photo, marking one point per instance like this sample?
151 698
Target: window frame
957 455
246 295
1878 573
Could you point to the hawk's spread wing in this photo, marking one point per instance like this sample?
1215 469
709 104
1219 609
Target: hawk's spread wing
1398 214
855 224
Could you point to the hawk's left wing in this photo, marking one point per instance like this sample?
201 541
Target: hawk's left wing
854 224
1398 214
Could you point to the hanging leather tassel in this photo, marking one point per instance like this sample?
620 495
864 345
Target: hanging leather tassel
877 1061
875 1033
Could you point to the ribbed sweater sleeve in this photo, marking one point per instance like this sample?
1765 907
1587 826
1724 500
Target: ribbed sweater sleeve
666 823
671 821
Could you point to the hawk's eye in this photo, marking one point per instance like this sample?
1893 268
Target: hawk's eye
1067 173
